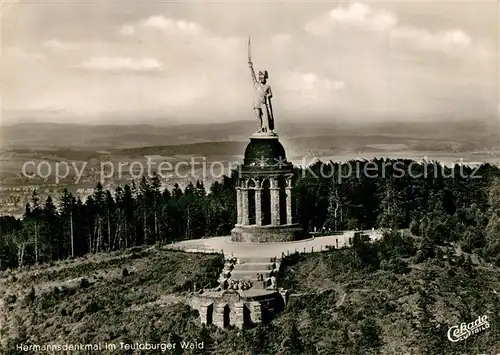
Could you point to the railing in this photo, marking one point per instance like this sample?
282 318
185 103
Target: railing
195 250
206 251
340 243
306 250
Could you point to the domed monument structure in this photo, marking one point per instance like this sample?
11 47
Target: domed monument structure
264 192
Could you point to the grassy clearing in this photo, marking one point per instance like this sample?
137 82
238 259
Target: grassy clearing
130 306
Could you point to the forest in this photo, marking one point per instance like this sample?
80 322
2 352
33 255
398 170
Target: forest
444 205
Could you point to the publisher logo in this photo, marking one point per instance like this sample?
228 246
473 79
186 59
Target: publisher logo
463 331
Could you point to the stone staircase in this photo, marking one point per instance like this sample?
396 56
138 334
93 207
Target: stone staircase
241 306
248 268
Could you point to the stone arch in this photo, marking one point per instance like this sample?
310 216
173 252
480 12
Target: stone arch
247 320
264 181
266 201
210 314
226 316
251 205
252 183
282 183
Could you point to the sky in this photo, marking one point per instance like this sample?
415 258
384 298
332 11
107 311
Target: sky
186 62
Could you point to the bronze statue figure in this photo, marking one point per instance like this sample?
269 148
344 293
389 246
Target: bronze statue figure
262 98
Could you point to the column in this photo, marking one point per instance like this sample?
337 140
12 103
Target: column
238 320
205 317
244 209
275 202
258 207
238 206
288 205
218 318
255 312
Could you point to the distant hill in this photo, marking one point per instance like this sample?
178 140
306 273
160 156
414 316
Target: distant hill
76 136
51 135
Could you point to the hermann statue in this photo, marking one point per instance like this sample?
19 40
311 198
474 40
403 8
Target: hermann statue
262 98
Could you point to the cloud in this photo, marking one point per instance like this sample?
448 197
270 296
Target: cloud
163 24
188 43
355 14
127 30
170 25
310 88
361 14
428 40
281 38
346 67
58 45
363 17
17 55
312 81
120 64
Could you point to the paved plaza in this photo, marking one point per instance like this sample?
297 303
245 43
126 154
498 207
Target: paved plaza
269 249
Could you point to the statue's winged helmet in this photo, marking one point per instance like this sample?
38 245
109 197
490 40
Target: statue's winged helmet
264 73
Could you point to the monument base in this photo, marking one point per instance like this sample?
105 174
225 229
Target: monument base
268 234
264 135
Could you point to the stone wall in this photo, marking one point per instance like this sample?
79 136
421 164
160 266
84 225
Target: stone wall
268 234
224 309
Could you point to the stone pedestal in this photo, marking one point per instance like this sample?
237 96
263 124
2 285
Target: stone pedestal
266 171
268 234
